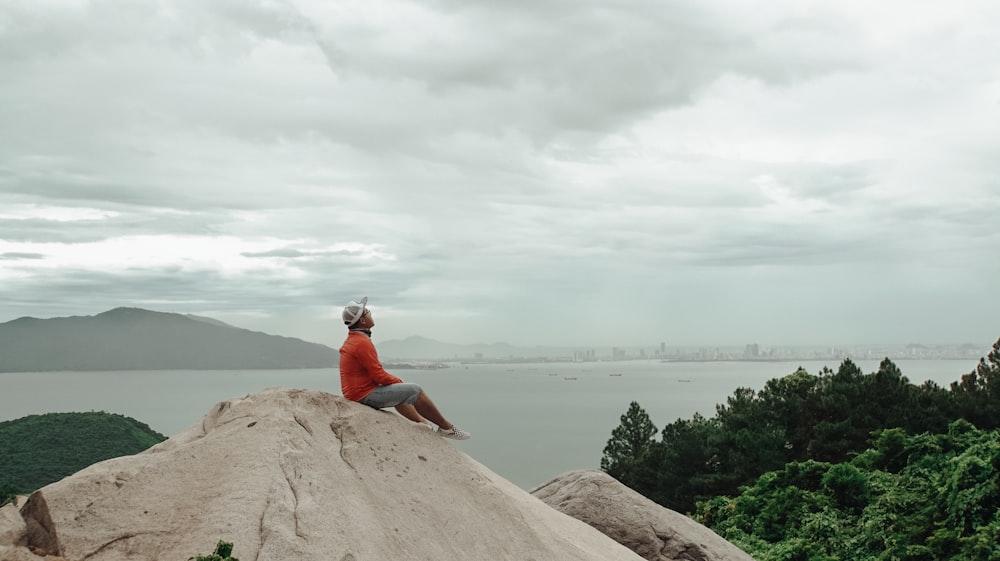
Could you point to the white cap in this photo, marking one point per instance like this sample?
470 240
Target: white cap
353 311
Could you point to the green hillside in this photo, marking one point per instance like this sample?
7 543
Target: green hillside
137 339
40 449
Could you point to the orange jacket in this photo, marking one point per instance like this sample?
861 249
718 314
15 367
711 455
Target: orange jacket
360 370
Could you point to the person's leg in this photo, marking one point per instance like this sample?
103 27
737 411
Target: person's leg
424 406
400 396
410 412
413 403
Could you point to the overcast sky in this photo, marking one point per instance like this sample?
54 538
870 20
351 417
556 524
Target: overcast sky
551 172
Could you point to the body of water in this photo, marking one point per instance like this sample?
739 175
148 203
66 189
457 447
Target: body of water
530 422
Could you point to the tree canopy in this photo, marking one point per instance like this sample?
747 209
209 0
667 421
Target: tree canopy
825 417
921 497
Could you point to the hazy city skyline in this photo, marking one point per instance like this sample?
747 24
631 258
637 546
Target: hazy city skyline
818 173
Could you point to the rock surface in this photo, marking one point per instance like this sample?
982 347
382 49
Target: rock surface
302 475
652 531
14 538
13 530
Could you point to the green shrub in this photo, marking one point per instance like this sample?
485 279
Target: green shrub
848 486
223 552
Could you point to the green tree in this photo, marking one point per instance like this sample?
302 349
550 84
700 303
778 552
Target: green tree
933 409
977 394
890 400
838 429
748 442
629 442
794 402
686 463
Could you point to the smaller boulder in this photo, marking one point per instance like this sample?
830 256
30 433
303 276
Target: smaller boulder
13 530
14 538
652 531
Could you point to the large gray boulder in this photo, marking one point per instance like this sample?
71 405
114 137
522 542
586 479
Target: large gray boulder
291 475
652 531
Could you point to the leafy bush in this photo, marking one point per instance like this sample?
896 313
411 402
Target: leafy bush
223 552
847 486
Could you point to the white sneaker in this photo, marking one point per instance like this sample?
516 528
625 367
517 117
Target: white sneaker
454 433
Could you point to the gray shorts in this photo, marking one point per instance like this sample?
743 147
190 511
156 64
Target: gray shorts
392 395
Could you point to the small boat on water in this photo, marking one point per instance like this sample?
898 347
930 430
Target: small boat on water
570 378
615 374
684 381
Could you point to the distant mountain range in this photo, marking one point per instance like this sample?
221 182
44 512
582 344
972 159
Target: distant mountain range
137 339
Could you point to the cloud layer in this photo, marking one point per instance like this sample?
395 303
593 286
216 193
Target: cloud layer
560 173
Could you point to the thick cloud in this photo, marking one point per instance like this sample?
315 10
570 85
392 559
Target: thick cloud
584 172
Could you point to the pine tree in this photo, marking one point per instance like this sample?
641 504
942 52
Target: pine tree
629 442
978 392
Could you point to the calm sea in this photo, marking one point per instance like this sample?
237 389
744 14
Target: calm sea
530 422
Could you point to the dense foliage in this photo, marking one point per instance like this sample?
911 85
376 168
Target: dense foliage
7 494
921 497
829 418
839 465
40 449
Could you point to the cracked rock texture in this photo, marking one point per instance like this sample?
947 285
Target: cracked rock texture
654 532
298 475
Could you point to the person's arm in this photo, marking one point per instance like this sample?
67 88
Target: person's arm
369 359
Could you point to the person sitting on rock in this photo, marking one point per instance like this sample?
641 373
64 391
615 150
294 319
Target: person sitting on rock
363 379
